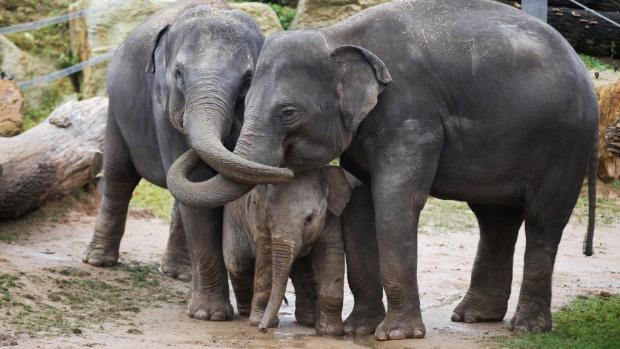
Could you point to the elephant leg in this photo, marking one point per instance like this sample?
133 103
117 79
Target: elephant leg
175 262
399 193
305 292
119 181
328 269
263 272
209 292
239 262
363 275
545 220
491 278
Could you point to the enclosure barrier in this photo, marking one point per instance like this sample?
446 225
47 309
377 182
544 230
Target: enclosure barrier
534 7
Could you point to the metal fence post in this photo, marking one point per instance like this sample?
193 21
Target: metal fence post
537 8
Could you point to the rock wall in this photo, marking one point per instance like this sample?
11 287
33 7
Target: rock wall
11 108
112 20
321 13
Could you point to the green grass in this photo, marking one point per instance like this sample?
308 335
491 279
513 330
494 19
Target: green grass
150 197
594 63
587 323
607 204
446 216
285 14
76 300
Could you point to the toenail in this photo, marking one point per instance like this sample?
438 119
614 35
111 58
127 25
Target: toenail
398 334
469 319
418 333
200 314
455 317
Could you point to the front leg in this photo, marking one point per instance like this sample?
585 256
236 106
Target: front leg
328 268
209 293
262 278
401 183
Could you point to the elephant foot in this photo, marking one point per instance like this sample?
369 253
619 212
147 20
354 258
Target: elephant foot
244 309
329 325
101 254
305 317
531 320
476 307
400 325
201 308
364 320
256 316
176 265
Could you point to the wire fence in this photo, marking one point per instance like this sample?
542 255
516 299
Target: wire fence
108 55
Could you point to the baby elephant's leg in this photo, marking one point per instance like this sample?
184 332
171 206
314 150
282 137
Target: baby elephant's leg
305 292
328 268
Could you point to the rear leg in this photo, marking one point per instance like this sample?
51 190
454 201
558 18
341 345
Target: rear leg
544 225
119 180
491 279
175 262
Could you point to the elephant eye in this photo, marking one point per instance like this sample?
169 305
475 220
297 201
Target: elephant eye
288 115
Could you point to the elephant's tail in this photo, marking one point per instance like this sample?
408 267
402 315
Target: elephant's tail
592 171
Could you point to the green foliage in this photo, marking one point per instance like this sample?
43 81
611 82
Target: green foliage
150 197
7 282
593 63
285 14
587 323
51 96
607 204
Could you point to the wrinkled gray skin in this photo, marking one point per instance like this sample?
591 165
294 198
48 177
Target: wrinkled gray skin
290 229
466 100
177 81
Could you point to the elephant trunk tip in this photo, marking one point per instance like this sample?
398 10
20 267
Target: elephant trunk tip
262 329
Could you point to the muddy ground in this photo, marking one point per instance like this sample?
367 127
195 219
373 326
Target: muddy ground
50 299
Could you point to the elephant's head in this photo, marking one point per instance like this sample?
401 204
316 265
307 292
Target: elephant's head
305 103
297 213
203 62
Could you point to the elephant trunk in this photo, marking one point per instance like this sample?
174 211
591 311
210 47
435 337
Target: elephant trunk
283 253
208 118
238 171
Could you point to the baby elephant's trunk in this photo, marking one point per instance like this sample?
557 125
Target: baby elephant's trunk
283 253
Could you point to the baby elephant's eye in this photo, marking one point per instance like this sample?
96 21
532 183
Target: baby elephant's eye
288 115
308 219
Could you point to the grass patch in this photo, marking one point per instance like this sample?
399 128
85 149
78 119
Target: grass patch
150 197
7 236
446 216
7 282
593 63
70 299
587 323
607 204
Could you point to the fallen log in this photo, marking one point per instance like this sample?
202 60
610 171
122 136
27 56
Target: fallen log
62 153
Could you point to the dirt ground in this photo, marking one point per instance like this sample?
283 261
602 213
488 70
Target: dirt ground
53 301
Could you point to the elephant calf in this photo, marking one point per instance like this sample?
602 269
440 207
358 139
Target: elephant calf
291 228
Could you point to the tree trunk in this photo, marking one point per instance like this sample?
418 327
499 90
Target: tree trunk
586 32
62 153
608 94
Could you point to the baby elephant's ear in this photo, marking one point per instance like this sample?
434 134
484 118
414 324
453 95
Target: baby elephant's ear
340 183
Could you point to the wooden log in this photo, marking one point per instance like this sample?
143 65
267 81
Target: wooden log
62 153
608 94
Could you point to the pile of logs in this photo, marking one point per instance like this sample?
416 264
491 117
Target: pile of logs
586 32
61 154
608 95
613 138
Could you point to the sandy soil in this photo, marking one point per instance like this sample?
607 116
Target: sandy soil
445 266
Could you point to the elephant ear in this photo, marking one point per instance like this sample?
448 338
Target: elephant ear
361 77
152 46
165 91
340 183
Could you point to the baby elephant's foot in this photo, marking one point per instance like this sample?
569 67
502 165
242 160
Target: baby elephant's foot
400 325
364 320
329 326
201 308
477 307
244 309
531 320
101 254
176 266
257 315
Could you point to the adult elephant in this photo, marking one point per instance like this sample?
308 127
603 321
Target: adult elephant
466 100
177 81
